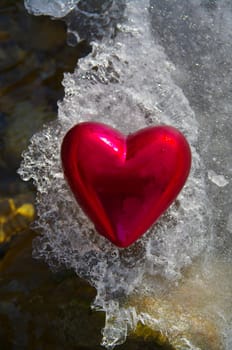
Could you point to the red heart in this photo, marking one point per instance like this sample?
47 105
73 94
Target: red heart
124 183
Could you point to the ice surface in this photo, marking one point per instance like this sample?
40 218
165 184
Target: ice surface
229 223
94 19
218 180
54 8
167 62
86 20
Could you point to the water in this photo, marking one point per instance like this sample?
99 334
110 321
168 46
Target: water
164 62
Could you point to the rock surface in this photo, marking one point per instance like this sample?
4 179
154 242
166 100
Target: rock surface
41 309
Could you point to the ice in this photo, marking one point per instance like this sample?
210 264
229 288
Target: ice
94 19
229 223
54 8
218 180
165 62
86 20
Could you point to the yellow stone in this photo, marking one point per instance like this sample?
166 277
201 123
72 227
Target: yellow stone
15 216
27 210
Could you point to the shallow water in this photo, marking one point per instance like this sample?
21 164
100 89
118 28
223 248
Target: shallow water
164 62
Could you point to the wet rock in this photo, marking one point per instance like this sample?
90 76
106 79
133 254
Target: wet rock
33 58
25 119
11 56
40 309
11 185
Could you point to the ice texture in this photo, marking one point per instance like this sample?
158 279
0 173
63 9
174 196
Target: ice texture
168 62
86 20
54 8
93 20
229 223
218 180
